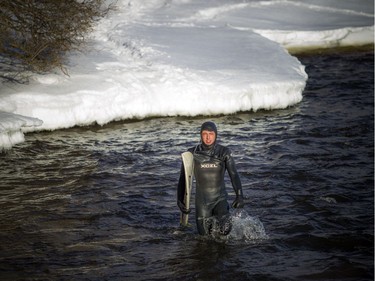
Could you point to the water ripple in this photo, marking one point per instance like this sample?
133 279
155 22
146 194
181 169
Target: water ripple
99 203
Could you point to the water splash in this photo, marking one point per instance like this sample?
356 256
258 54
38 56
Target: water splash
246 227
237 226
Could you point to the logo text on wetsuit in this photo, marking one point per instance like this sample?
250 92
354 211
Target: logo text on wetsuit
205 166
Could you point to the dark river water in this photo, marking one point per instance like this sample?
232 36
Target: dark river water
99 203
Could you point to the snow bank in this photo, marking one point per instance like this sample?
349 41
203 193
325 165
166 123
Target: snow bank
184 57
10 128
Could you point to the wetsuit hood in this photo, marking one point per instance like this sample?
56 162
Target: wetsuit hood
208 126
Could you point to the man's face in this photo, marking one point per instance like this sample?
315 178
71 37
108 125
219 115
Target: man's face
208 137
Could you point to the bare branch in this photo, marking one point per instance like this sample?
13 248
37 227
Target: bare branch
36 34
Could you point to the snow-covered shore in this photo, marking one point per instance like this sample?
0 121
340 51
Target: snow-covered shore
182 57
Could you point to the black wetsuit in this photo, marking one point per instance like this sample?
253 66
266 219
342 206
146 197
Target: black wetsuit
210 165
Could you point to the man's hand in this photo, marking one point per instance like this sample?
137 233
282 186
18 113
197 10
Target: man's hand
183 209
238 202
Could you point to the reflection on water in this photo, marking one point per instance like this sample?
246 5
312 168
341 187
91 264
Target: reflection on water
99 203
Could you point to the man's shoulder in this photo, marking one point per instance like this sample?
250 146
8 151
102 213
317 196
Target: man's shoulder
222 147
222 150
192 149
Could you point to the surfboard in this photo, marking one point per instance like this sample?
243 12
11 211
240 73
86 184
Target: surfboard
187 159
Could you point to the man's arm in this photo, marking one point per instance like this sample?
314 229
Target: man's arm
181 191
235 179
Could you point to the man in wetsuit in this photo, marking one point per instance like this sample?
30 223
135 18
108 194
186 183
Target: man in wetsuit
211 160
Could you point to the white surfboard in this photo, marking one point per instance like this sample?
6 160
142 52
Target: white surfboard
187 159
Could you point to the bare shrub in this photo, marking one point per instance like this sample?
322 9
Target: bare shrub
36 34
